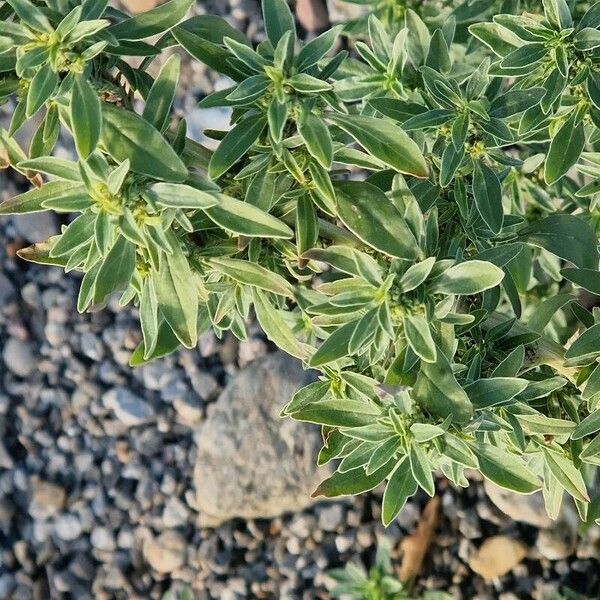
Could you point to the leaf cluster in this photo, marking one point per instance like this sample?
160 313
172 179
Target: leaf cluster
410 204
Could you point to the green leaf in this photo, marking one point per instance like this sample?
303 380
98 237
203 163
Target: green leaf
567 474
126 135
248 220
32 16
179 195
352 482
505 469
467 278
42 86
116 270
436 388
338 412
421 469
565 149
567 236
249 273
418 335
335 346
162 93
484 393
316 49
151 22
558 13
276 328
177 295
371 216
401 486
235 144
278 19
86 117
316 136
586 348
33 200
487 190
385 141
588 279
55 167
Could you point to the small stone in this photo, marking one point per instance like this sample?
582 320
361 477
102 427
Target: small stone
190 409
47 499
7 290
528 509
165 553
331 517
6 461
67 527
18 357
175 513
560 540
497 556
130 409
102 539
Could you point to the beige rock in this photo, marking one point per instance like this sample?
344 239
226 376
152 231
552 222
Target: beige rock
137 6
528 509
312 14
166 552
47 499
497 556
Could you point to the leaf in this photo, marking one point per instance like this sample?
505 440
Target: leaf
151 22
162 93
370 215
352 482
248 220
419 337
565 149
33 200
278 20
42 86
488 196
588 279
317 138
401 486
249 273
415 546
31 15
467 278
586 348
567 236
505 469
235 144
335 346
276 329
484 393
116 270
86 117
177 295
567 474
416 274
338 412
436 388
126 135
421 468
385 141
178 195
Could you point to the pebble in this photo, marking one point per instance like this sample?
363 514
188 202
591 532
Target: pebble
102 539
46 500
129 408
19 357
166 552
67 527
497 556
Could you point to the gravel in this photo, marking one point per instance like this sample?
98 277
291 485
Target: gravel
97 461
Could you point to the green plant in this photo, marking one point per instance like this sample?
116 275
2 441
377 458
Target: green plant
417 219
378 583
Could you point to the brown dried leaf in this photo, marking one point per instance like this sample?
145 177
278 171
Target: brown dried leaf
415 546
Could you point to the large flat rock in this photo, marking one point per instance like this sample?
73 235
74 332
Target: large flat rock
252 463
